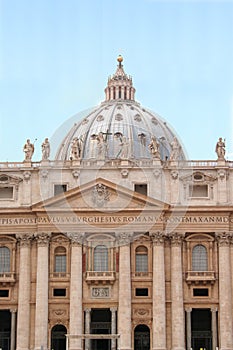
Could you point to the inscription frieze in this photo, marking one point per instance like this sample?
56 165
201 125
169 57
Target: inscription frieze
113 219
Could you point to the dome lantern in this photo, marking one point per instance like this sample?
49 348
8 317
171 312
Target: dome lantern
120 85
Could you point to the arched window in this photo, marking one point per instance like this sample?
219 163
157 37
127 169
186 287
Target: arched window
58 337
141 259
100 258
199 258
5 263
60 259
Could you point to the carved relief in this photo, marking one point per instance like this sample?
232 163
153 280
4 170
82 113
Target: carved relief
24 239
100 195
158 237
124 173
26 175
123 238
100 292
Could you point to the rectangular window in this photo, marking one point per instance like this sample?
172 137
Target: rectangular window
60 263
141 188
6 192
61 292
58 189
141 292
4 293
200 292
198 191
141 262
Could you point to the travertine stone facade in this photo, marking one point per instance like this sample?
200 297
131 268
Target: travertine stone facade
119 242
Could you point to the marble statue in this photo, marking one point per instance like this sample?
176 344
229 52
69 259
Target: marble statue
124 148
175 150
220 149
101 146
45 149
76 149
28 150
154 148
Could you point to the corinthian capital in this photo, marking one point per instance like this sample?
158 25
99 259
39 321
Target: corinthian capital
24 239
75 238
176 238
223 238
123 238
43 238
158 237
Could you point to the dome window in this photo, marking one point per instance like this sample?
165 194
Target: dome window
118 117
100 118
85 121
154 120
198 177
117 135
138 118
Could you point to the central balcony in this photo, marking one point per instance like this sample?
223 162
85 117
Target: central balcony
200 277
103 277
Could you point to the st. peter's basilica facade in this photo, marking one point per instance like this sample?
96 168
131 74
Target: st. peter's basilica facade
119 242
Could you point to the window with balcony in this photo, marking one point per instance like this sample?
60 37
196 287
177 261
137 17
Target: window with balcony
100 258
199 258
4 260
141 263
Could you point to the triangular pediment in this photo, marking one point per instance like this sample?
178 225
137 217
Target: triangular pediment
99 195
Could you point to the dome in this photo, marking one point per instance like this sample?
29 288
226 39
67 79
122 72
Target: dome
120 128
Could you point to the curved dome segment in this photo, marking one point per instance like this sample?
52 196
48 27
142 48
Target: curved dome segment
119 128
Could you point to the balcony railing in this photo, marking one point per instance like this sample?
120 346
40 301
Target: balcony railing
59 275
7 277
204 277
95 277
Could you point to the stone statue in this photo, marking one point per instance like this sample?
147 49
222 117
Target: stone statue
101 146
220 149
124 148
45 149
154 148
175 149
76 149
28 150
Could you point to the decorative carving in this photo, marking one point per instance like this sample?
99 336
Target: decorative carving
174 174
76 238
26 175
44 174
76 174
222 174
158 237
142 312
157 173
124 173
100 292
24 239
123 238
43 238
59 312
100 195
176 238
223 238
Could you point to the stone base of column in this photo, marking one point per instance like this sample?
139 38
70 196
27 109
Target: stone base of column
178 348
41 348
159 348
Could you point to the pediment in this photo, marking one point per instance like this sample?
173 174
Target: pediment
6 179
99 195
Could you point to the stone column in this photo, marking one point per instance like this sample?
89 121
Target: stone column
225 297
113 326
177 306
214 328
189 328
159 303
13 327
41 318
124 306
76 291
23 316
87 327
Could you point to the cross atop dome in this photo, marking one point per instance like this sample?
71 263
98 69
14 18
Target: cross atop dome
120 85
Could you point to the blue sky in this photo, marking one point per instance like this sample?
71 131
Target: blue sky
56 56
